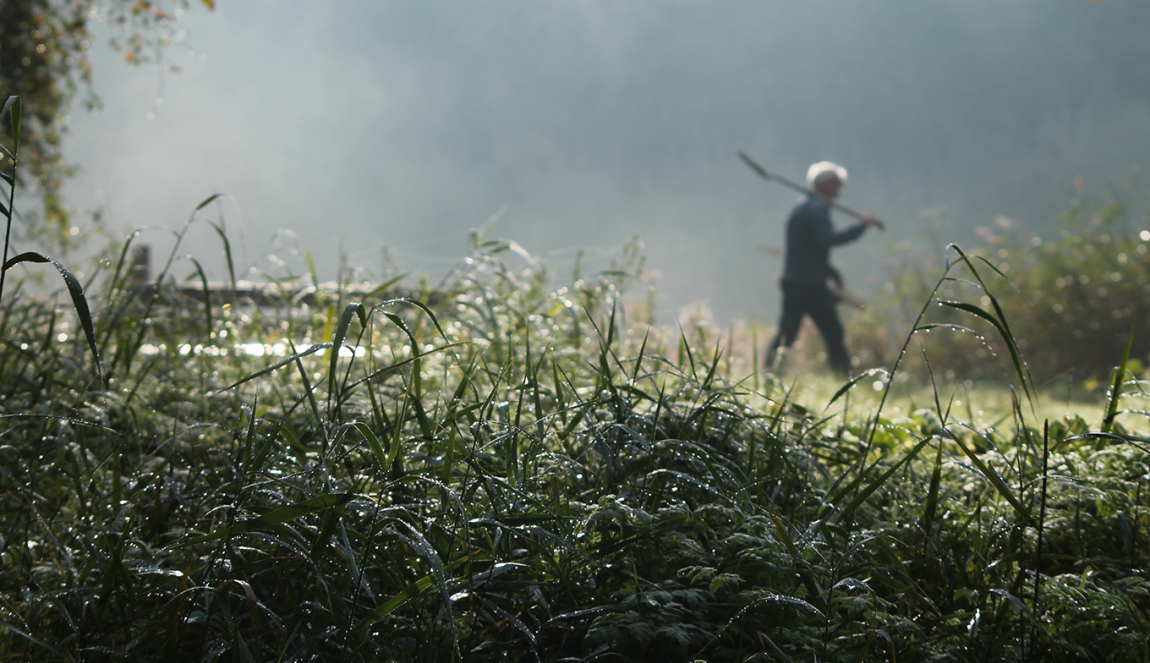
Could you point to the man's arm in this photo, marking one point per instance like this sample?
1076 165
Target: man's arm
827 236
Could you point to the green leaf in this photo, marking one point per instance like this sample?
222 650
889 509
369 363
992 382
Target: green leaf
12 106
227 252
22 634
373 444
1003 331
421 545
354 308
1000 323
382 287
310 392
1116 388
932 493
877 483
207 293
280 364
207 201
994 479
411 591
310 262
277 516
853 381
781 599
79 301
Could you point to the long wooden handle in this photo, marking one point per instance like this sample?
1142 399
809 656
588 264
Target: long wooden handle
796 186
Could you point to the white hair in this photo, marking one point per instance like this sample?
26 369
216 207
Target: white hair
821 170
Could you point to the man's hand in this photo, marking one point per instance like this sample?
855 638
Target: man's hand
869 220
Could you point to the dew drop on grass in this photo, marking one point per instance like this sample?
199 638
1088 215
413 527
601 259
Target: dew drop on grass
877 386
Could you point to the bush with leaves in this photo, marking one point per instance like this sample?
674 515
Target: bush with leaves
1073 301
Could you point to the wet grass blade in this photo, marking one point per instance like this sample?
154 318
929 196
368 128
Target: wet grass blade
374 445
351 310
1116 386
998 320
382 288
79 301
847 511
409 592
295 356
276 517
419 542
394 603
994 479
207 201
207 293
309 392
227 252
931 506
31 639
855 380
12 108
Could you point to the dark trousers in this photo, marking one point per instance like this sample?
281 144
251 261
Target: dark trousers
814 299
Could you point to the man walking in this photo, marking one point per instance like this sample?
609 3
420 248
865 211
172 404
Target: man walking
807 268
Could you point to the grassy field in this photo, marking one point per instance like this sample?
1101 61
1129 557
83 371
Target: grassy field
530 472
516 469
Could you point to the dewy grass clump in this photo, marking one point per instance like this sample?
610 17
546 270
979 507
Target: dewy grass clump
509 471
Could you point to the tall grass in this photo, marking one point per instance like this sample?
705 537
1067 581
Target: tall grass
519 471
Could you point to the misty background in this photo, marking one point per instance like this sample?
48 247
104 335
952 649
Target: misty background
386 130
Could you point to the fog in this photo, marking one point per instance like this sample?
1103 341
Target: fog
373 128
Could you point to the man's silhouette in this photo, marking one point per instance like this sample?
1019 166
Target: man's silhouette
807 269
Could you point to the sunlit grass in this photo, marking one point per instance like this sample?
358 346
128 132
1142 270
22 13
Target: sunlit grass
526 472
523 468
